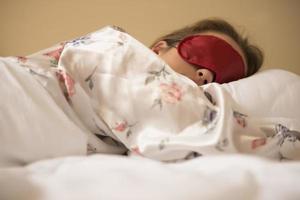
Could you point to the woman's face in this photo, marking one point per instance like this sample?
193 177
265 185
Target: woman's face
200 76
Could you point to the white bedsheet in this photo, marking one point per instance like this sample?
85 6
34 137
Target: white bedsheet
135 178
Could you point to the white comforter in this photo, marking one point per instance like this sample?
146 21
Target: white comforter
134 178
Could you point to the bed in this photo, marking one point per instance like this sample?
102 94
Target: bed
45 141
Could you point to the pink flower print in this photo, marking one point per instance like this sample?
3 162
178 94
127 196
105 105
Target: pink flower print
120 127
170 93
136 150
241 122
124 127
55 53
258 142
22 59
67 82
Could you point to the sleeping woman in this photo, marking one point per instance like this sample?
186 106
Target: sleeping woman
209 51
124 96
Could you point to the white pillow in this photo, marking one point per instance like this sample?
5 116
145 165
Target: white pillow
269 93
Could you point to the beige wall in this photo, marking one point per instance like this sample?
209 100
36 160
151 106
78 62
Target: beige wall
30 25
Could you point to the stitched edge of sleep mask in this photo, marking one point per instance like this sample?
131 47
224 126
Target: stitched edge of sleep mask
214 54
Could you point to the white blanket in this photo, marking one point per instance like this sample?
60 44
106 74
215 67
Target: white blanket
108 84
134 178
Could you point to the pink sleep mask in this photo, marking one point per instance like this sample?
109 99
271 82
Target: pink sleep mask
214 54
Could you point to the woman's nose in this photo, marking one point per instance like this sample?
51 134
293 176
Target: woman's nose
204 76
